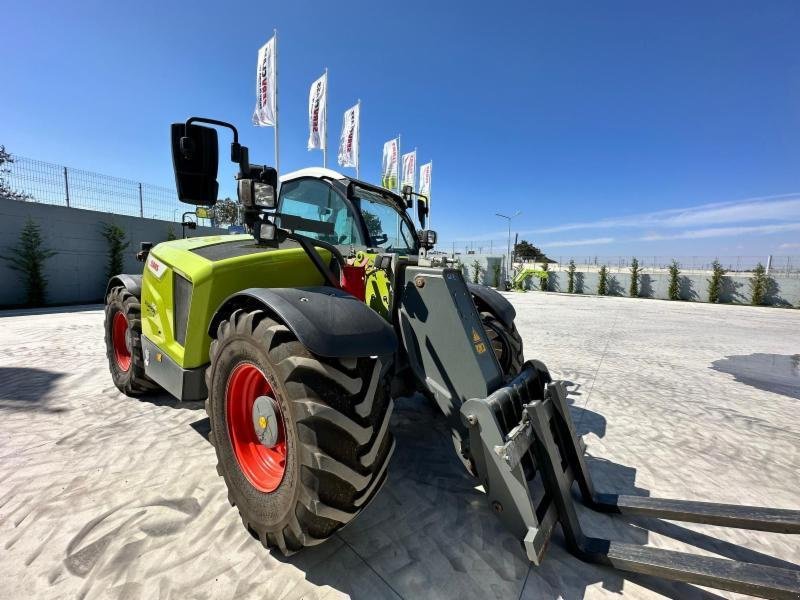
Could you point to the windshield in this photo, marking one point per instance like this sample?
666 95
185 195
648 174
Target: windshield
387 229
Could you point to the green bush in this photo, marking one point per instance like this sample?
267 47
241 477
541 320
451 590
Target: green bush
674 289
543 277
496 272
758 285
115 236
171 234
28 258
571 277
602 286
636 271
477 270
715 283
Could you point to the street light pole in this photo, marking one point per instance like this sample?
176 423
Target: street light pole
508 256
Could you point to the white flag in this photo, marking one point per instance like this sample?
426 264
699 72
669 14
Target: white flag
348 142
389 170
318 114
264 114
425 180
409 169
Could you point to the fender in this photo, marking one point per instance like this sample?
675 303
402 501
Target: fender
133 283
488 299
327 321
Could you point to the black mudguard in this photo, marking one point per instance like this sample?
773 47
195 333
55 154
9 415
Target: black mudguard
133 283
488 299
327 321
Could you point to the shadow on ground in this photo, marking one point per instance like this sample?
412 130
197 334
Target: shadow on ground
776 373
26 388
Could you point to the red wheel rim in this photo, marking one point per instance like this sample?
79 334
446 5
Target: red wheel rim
119 331
263 466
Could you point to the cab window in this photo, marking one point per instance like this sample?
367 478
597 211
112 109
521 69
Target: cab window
319 203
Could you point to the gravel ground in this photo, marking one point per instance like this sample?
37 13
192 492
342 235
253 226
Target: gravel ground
104 496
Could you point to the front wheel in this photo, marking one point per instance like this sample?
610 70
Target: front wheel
302 442
506 343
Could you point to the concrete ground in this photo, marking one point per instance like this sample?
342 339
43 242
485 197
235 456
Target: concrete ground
103 496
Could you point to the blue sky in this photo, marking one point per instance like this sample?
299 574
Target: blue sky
619 127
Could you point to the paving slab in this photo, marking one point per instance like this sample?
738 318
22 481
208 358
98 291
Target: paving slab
104 496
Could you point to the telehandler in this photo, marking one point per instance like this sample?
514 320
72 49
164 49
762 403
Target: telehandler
299 334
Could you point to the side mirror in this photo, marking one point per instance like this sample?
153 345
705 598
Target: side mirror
407 192
195 159
427 238
422 210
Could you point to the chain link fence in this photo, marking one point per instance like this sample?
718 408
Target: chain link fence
49 183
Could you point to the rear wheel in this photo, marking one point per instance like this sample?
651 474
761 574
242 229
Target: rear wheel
506 343
301 441
123 331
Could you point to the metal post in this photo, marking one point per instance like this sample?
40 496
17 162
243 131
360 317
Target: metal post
769 263
141 204
358 141
66 186
277 153
325 141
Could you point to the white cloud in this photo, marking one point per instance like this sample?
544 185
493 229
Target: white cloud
711 232
789 246
783 207
590 242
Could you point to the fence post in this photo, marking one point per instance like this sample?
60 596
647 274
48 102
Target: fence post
141 204
66 186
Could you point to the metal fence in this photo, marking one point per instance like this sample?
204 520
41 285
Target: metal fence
49 183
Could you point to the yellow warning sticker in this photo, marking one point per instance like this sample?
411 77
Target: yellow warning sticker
480 347
262 422
475 337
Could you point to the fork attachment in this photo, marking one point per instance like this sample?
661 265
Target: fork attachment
527 455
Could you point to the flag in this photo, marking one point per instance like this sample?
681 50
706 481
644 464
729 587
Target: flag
425 180
264 114
409 169
389 170
348 142
317 113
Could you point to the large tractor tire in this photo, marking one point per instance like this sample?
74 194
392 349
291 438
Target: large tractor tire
123 325
301 441
506 343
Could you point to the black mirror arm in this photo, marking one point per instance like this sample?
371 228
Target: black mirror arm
308 245
239 153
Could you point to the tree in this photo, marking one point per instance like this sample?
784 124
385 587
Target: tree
6 192
571 277
602 286
715 283
674 289
171 234
496 273
373 223
543 276
28 258
226 212
115 236
758 285
524 250
636 270
477 270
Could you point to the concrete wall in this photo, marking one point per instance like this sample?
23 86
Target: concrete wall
78 272
784 292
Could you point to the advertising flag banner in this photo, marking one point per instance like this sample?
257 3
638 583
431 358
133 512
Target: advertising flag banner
409 169
390 166
348 142
265 112
425 180
317 117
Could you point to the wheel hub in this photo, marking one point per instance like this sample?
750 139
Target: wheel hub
121 341
265 421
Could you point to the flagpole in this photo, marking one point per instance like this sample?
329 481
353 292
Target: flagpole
358 141
430 186
277 153
399 160
325 141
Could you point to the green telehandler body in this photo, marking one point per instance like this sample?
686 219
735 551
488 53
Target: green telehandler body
299 334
